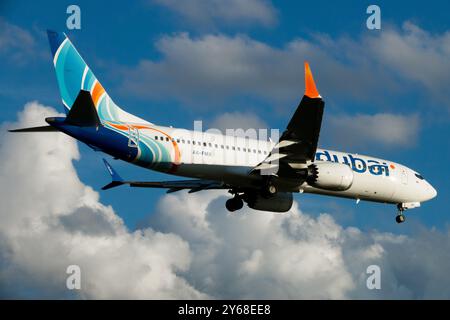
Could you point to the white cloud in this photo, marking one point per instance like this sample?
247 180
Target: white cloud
231 12
418 55
256 255
215 68
16 43
50 219
390 130
384 130
211 69
193 247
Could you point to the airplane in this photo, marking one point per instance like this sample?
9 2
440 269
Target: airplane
261 173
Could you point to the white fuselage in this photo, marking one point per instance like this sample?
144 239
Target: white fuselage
230 159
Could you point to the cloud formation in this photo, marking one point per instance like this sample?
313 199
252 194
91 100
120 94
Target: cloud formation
343 131
416 55
255 255
229 12
50 220
17 44
211 69
385 129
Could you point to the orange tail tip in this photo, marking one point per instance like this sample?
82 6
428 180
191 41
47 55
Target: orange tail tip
310 86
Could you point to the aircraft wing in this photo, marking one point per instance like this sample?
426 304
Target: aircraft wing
298 143
193 185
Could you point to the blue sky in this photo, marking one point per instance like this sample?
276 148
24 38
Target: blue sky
116 38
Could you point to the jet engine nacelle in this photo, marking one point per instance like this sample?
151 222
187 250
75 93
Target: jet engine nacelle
330 176
280 202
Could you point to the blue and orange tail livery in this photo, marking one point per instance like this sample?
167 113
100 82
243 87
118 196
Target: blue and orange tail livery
73 75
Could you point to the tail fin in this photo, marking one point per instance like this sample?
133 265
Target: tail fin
73 75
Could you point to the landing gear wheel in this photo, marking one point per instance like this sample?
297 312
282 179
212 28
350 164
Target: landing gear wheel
400 218
234 204
272 189
269 190
229 205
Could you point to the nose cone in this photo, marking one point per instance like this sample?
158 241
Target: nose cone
430 192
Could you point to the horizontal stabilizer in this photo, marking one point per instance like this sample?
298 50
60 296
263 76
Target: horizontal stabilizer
36 129
116 179
194 185
113 184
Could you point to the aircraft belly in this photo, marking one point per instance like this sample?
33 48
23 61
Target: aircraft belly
378 188
238 175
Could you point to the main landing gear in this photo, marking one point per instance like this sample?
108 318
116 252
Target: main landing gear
400 216
269 189
234 204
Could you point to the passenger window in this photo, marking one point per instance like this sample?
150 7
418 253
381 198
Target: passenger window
182 141
204 144
156 137
209 144
193 142
233 148
221 146
178 140
228 147
259 151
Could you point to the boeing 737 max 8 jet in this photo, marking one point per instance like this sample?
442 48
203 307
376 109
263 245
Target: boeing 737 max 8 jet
261 173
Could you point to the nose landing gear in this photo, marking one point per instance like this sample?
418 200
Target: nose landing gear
405 206
400 218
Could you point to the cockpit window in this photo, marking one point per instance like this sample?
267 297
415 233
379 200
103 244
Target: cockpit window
419 176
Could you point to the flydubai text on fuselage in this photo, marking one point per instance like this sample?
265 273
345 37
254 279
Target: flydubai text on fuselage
261 173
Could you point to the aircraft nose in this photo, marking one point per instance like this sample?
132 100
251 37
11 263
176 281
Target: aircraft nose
430 192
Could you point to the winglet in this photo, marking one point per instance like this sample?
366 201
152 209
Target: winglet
116 179
310 85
